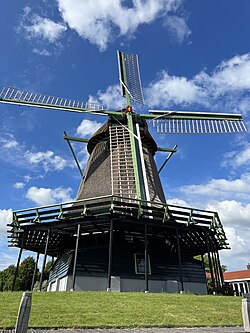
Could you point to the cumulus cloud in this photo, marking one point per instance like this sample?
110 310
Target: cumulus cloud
101 21
87 128
237 158
221 188
19 185
5 218
235 218
47 196
178 28
23 157
35 26
228 86
47 159
110 98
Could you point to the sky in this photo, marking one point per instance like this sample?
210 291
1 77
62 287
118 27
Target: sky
193 55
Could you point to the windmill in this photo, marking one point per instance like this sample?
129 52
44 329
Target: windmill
119 233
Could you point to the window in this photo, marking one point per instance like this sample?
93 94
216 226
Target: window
140 264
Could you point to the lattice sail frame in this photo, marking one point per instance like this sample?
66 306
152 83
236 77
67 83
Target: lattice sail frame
129 75
181 122
17 96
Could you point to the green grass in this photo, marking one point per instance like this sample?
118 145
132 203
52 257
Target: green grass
72 309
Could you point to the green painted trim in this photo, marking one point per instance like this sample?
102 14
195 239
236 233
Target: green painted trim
167 150
193 117
134 154
71 138
58 107
125 79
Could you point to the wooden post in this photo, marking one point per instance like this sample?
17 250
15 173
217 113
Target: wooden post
18 263
110 253
220 269
76 253
179 259
34 273
146 256
44 259
210 263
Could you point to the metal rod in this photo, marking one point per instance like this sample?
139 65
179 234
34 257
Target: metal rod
110 253
44 260
168 157
76 254
18 263
34 273
146 256
179 259
73 153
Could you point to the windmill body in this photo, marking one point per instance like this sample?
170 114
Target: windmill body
119 234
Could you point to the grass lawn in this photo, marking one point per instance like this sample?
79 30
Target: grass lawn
71 309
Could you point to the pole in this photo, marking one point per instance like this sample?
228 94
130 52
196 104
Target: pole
44 259
179 259
210 263
146 256
18 263
34 273
76 253
110 253
220 269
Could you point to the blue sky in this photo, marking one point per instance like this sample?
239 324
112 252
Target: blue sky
194 55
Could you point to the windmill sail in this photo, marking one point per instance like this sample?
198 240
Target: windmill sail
13 95
181 122
129 73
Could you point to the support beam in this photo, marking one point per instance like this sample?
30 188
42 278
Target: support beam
217 289
210 262
73 153
168 157
179 259
76 254
203 266
220 269
111 231
34 273
17 265
44 260
146 256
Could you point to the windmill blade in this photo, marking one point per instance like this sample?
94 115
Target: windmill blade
16 96
129 75
182 122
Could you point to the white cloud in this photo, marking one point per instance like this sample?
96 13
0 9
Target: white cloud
43 28
22 157
111 98
47 159
101 21
235 218
221 188
42 52
167 90
87 128
5 218
178 28
237 158
47 196
230 80
19 185
8 142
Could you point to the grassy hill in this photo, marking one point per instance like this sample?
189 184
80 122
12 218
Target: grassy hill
72 309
